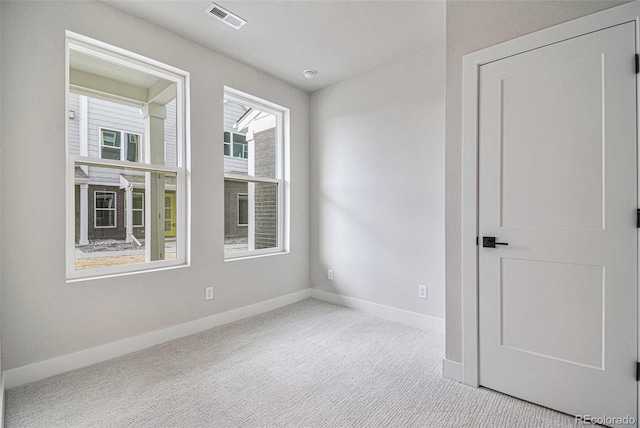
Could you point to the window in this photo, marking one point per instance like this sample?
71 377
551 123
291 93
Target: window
127 152
137 209
104 209
111 146
243 209
235 145
255 149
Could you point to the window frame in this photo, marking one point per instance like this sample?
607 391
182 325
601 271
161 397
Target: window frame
96 209
102 51
282 180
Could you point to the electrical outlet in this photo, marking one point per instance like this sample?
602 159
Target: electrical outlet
330 274
422 292
208 293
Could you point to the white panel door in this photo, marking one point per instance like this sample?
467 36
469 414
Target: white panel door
558 183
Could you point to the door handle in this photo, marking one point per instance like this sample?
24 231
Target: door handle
490 242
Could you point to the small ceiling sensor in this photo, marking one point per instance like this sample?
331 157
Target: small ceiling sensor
309 74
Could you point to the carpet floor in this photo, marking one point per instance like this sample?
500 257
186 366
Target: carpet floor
310 364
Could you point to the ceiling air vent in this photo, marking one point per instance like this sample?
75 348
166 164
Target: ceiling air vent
225 16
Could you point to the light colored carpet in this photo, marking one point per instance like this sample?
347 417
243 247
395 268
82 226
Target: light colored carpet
310 364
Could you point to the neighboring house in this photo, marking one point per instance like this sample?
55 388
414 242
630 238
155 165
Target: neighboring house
110 130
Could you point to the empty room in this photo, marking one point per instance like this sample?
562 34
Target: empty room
319 213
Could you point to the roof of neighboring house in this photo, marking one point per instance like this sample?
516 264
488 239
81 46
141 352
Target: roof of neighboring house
79 173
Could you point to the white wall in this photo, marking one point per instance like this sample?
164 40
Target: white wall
377 184
44 317
471 26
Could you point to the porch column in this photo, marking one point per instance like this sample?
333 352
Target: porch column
84 214
129 212
154 115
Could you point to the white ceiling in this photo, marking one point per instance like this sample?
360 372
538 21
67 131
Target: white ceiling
339 39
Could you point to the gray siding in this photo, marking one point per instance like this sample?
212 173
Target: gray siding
118 117
232 112
73 125
115 116
170 132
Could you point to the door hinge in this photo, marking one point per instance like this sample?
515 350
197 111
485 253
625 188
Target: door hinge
638 218
637 64
637 372
478 240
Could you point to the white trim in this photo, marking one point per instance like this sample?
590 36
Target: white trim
54 366
452 370
413 319
2 400
251 179
471 67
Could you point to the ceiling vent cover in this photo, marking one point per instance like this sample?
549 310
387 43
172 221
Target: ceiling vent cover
225 16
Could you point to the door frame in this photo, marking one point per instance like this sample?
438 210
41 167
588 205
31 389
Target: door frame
629 12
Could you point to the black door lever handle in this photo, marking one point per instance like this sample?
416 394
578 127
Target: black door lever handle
490 242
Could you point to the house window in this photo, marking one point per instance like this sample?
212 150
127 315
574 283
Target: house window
111 145
243 209
108 159
137 209
104 209
235 145
255 158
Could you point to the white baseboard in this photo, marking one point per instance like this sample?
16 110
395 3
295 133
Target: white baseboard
413 319
453 370
41 370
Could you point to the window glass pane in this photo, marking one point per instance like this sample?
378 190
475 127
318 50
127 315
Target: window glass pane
265 211
105 218
255 203
105 229
110 153
138 201
255 135
239 150
110 138
132 147
236 237
109 225
227 150
171 154
138 218
105 200
243 209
